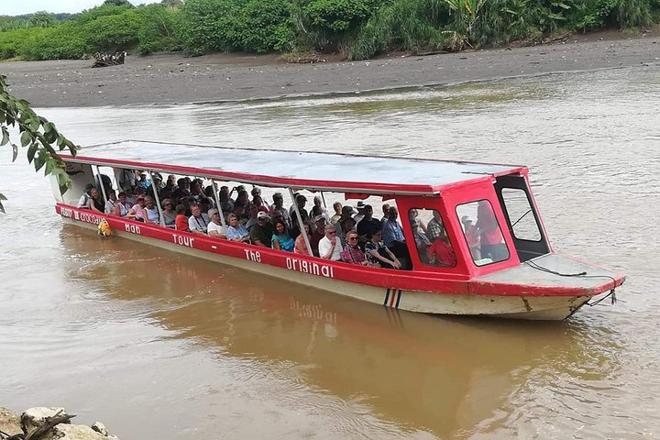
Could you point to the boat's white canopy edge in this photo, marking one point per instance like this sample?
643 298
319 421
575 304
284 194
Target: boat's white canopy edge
325 171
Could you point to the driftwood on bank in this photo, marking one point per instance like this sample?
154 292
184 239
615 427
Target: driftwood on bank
48 423
109 59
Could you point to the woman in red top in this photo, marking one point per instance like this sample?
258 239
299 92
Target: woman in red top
441 253
181 221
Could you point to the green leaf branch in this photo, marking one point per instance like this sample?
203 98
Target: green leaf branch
36 134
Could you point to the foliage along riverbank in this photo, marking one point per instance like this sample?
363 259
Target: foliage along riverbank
359 29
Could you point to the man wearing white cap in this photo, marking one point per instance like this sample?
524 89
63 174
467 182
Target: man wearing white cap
261 234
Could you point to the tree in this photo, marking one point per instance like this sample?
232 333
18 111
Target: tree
37 134
42 19
118 3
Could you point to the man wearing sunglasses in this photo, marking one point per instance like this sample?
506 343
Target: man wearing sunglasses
330 247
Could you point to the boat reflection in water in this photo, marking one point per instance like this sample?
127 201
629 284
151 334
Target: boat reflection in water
444 375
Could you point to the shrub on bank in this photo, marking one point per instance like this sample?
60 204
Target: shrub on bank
360 28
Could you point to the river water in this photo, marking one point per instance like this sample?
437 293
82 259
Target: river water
163 346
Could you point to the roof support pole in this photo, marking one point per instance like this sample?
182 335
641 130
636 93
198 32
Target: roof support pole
217 203
300 221
323 198
100 180
160 210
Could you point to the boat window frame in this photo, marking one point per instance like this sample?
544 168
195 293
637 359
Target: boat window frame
467 244
526 249
414 247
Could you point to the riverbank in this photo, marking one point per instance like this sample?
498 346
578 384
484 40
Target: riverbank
174 79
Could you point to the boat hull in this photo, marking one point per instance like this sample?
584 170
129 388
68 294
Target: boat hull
501 306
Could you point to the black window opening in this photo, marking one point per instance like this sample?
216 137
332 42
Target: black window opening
521 217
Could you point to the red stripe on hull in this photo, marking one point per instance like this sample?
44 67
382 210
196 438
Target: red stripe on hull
419 281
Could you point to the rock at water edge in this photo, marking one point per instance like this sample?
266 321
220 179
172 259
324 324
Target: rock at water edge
33 418
10 423
76 432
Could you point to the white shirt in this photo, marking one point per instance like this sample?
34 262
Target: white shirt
325 245
222 230
199 224
84 201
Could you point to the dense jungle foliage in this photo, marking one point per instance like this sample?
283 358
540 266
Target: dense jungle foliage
357 28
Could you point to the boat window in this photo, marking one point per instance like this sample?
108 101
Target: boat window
431 240
482 232
520 215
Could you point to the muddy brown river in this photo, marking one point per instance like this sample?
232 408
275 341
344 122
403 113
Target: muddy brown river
163 346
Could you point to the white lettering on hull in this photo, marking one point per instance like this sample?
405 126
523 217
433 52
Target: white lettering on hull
252 255
310 267
133 229
182 240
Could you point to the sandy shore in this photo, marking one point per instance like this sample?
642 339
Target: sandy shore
169 79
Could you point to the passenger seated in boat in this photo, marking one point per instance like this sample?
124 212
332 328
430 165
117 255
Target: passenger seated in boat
335 218
440 253
127 179
235 230
300 247
330 247
317 234
169 214
198 221
215 228
142 181
182 190
111 203
318 208
490 236
259 203
261 234
392 231
151 211
369 224
413 216
121 207
435 228
346 226
168 189
137 211
281 240
378 254
252 219
96 203
86 197
345 223
278 210
205 205
386 210
472 237
301 201
226 203
208 193
181 220
352 252
242 205
361 207
196 193
421 242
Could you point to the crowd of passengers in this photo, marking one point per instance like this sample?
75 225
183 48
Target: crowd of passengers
351 235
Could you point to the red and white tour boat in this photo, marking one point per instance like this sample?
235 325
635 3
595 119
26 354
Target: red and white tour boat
504 265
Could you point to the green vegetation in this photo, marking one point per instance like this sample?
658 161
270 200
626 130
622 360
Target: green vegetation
357 28
37 135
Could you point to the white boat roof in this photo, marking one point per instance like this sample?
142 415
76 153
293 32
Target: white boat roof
310 170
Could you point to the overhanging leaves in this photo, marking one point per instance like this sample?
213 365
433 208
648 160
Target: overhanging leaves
35 131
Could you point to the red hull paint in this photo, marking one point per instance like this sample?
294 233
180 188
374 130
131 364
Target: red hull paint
417 280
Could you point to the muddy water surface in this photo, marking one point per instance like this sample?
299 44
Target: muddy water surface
164 346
